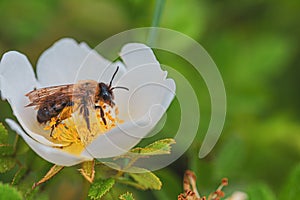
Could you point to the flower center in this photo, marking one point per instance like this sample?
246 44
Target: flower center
74 131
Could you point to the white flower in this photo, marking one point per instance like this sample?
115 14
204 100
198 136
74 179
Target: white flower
237 195
150 93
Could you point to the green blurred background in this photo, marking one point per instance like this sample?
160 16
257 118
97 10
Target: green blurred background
255 44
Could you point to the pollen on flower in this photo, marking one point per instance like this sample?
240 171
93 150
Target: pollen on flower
66 132
70 129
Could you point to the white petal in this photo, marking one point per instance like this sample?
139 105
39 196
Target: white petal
117 141
125 136
95 67
149 100
144 92
85 46
136 54
237 195
67 62
59 64
147 84
17 76
17 79
53 155
106 74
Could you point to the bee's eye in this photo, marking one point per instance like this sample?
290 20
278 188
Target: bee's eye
105 93
105 96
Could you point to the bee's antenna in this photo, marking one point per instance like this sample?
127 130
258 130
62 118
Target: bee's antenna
120 87
112 78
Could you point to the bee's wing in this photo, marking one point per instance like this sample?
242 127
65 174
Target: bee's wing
50 95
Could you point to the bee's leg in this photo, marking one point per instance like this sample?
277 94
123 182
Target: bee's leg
52 129
86 114
101 113
57 121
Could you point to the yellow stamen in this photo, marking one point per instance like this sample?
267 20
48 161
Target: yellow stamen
70 128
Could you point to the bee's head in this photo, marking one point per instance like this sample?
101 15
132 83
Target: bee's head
106 94
106 91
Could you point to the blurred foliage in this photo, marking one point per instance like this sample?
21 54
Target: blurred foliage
254 44
9 193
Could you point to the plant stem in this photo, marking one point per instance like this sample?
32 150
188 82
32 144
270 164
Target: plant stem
85 188
159 5
16 142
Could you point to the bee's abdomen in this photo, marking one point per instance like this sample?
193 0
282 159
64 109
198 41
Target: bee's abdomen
45 113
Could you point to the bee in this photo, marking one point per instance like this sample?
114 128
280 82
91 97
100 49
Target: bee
51 102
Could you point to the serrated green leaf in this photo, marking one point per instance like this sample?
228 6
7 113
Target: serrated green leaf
291 187
6 164
3 134
126 196
100 188
19 174
7 192
6 149
146 180
159 147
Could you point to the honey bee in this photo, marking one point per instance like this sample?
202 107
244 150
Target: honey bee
50 102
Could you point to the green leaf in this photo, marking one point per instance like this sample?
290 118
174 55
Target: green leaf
159 147
6 149
6 164
126 196
146 180
19 174
3 134
100 188
291 187
9 193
